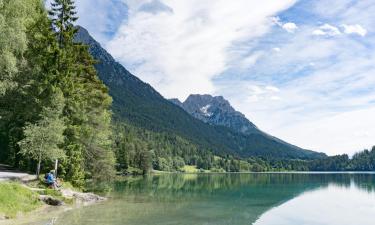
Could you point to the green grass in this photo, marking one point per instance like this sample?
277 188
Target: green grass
190 169
14 199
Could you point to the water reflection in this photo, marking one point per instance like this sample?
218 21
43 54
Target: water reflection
219 199
329 206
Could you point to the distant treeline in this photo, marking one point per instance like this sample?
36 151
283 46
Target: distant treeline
140 149
361 161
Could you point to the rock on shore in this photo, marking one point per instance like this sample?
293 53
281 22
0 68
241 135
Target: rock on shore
82 198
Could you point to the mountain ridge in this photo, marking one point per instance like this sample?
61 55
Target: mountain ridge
217 110
137 103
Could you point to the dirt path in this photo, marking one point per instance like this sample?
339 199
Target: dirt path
7 173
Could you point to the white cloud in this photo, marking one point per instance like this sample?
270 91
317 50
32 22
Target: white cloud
251 59
290 27
347 132
104 21
181 52
314 92
327 30
354 29
275 98
328 95
272 88
276 20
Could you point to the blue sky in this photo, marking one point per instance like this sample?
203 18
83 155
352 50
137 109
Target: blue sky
303 71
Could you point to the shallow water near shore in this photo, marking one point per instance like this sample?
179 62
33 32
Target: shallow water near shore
235 199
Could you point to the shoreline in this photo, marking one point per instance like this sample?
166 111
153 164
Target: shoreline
51 206
81 199
267 172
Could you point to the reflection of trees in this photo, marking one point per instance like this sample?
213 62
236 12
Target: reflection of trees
214 198
177 186
190 185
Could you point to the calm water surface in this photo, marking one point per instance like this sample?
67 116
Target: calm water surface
233 199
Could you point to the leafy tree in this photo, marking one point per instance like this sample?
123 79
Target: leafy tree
43 138
23 104
15 16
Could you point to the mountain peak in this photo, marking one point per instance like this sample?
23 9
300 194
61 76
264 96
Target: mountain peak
176 101
218 111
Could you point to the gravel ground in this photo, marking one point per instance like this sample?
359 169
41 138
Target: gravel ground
4 176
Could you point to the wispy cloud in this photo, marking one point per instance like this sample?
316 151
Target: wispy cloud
327 80
101 18
288 26
327 30
180 50
302 71
354 29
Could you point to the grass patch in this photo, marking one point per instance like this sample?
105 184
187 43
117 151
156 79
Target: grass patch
190 169
14 199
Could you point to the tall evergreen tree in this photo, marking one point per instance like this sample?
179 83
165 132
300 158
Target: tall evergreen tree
87 143
63 17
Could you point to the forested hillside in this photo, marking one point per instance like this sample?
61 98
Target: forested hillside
138 104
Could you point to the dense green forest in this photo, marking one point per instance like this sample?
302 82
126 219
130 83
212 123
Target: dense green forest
171 153
138 148
361 161
53 105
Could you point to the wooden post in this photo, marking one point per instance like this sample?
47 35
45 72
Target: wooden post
56 163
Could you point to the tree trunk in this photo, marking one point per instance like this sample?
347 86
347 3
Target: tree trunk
56 163
38 170
38 167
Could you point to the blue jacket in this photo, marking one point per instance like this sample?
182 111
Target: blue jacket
50 178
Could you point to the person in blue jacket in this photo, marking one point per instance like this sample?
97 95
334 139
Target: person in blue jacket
51 180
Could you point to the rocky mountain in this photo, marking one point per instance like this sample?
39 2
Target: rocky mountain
140 105
218 111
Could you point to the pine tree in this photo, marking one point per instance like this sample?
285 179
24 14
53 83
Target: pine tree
63 17
87 103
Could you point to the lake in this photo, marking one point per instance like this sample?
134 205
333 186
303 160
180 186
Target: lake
232 199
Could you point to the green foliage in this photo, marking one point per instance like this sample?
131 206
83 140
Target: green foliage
43 138
60 107
87 137
63 16
361 161
15 198
15 16
143 149
136 147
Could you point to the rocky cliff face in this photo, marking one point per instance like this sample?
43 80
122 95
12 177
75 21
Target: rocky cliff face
218 111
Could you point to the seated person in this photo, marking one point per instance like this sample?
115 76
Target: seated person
51 181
